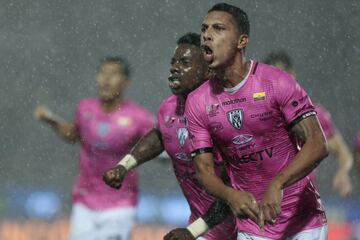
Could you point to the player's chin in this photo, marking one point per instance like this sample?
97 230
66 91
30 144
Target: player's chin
176 91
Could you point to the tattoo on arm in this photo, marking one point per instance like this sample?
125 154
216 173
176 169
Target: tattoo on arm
217 213
148 147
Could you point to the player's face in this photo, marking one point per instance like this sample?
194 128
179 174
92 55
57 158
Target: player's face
188 69
220 39
111 81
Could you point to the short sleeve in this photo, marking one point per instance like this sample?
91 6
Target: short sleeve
197 124
293 101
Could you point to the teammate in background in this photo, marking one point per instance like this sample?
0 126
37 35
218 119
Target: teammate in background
107 127
251 112
188 71
341 182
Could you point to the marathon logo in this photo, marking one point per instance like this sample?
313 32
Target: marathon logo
259 96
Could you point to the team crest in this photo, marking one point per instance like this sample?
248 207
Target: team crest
183 134
235 117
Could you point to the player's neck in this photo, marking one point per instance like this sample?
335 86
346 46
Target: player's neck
180 105
111 104
235 73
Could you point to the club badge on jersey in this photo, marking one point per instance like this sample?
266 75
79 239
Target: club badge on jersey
235 117
182 134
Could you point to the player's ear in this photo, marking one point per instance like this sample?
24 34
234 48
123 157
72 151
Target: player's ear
243 41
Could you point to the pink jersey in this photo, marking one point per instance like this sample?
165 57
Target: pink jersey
175 139
325 121
250 125
105 138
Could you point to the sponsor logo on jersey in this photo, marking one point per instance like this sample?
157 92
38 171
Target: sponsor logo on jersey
253 157
242 139
182 134
235 117
233 101
259 96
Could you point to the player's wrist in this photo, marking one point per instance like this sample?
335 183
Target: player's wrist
128 162
198 227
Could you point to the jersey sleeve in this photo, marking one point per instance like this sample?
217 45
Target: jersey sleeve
77 117
294 102
325 121
197 124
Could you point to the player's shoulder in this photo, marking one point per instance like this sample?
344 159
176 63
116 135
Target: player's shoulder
172 99
271 73
88 102
200 92
136 107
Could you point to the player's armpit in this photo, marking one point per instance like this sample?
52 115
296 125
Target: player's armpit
148 147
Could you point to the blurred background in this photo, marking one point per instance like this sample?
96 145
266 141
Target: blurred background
49 52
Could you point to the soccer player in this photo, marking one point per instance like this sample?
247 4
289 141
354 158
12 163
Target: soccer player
106 127
251 112
337 146
188 71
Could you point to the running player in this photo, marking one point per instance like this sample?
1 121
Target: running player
341 182
251 112
107 127
188 70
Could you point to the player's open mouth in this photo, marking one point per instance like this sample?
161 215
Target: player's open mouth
174 82
208 53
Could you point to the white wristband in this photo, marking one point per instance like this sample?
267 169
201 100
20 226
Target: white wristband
198 227
128 162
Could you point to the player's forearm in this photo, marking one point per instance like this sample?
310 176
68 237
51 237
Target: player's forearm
339 149
305 161
207 177
217 213
148 147
65 130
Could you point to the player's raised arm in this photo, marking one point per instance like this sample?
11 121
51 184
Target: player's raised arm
146 149
65 130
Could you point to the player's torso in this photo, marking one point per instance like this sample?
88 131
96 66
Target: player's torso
248 127
109 133
175 138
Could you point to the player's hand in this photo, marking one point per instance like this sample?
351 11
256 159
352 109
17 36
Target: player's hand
271 204
342 183
115 176
243 205
179 234
41 112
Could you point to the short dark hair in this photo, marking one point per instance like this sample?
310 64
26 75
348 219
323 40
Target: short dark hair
279 57
238 14
190 38
121 61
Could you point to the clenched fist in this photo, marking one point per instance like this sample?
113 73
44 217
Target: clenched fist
179 234
115 176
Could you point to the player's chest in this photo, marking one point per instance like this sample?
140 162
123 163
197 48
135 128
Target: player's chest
246 116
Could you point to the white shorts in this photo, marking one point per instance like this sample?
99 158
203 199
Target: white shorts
110 224
320 233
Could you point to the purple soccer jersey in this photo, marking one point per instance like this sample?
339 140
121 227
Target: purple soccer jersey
105 138
174 133
250 125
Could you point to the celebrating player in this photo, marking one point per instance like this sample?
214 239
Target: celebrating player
107 127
